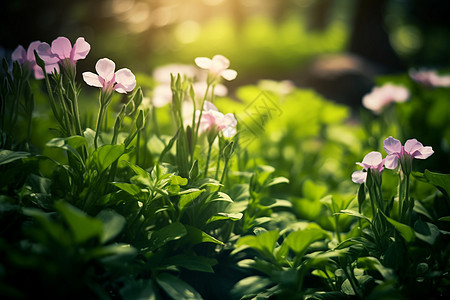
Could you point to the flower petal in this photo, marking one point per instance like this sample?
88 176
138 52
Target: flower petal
30 51
105 68
372 160
45 53
391 161
359 177
392 145
19 54
424 152
220 62
203 62
229 132
80 49
92 79
162 95
125 81
229 74
62 47
412 146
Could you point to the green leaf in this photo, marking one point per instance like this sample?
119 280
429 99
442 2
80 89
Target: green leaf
313 191
171 232
62 143
131 189
300 240
197 236
192 262
353 213
445 219
106 155
113 249
263 243
277 180
441 181
7 156
250 286
55 230
225 216
405 231
113 224
177 288
426 232
82 226
178 180
419 208
186 197
141 289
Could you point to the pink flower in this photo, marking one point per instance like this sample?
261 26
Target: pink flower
213 119
217 66
380 97
429 78
27 59
412 149
122 81
62 50
373 160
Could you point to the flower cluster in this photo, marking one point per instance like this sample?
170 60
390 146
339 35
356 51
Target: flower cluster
429 78
396 153
381 97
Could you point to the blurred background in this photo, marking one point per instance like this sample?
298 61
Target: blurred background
336 47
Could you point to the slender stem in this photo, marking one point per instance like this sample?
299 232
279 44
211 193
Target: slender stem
138 141
216 176
225 170
99 122
207 159
75 109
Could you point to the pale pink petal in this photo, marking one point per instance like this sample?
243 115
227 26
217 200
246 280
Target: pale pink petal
229 74
80 49
62 47
105 68
220 62
51 68
359 177
30 51
412 146
125 81
92 79
372 160
19 54
220 90
391 161
37 71
162 95
229 132
230 120
392 145
424 153
209 106
45 53
203 62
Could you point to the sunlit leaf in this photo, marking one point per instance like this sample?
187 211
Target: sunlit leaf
177 288
405 231
7 156
171 232
196 236
106 155
113 224
299 240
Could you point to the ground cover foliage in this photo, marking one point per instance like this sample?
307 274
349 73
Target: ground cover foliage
170 189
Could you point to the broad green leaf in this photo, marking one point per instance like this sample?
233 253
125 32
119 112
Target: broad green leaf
277 180
106 155
177 288
250 286
113 249
186 197
419 208
313 191
131 189
55 230
405 231
263 243
7 156
441 181
178 180
197 236
353 213
62 143
300 240
426 232
372 263
445 219
113 224
141 289
192 262
225 216
82 226
220 196
171 232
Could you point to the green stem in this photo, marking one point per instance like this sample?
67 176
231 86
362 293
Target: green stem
225 170
99 122
138 141
207 159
